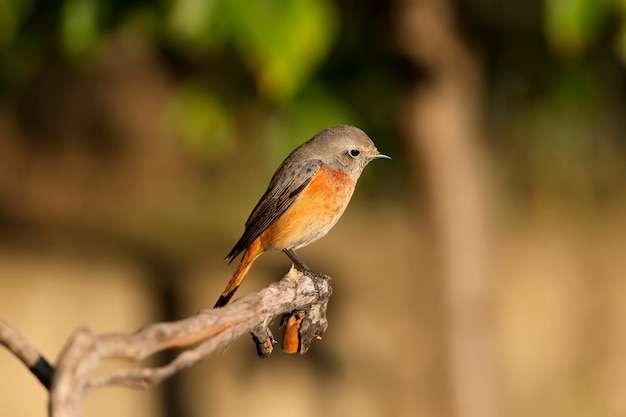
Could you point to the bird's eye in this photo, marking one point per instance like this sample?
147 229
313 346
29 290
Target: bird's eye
354 153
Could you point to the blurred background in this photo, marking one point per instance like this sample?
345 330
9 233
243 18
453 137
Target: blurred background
479 273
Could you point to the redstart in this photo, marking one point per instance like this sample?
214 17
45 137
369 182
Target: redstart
307 194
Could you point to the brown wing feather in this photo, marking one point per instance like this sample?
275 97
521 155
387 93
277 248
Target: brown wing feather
281 193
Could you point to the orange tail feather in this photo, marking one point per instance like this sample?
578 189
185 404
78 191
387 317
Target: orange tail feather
249 256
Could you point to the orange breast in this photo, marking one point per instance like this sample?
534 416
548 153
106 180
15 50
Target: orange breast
313 213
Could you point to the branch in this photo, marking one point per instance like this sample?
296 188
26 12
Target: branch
22 348
300 295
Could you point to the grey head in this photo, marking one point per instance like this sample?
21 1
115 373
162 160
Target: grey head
343 147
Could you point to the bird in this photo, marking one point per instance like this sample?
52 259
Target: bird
306 196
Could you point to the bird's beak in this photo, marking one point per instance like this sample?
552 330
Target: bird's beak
381 156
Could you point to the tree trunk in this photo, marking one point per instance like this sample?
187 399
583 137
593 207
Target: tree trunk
442 126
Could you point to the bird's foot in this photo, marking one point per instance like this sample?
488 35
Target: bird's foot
298 262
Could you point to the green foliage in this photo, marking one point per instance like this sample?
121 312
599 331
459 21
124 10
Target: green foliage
195 24
620 43
281 41
12 13
297 66
572 27
19 51
79 26
202 120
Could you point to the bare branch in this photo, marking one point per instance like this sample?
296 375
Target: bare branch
22 348
213 329
301 294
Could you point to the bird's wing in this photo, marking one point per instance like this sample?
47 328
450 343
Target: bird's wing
288 181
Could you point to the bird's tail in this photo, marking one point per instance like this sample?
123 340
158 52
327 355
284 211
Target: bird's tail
249 256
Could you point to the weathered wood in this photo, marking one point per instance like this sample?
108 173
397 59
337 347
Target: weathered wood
209 331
